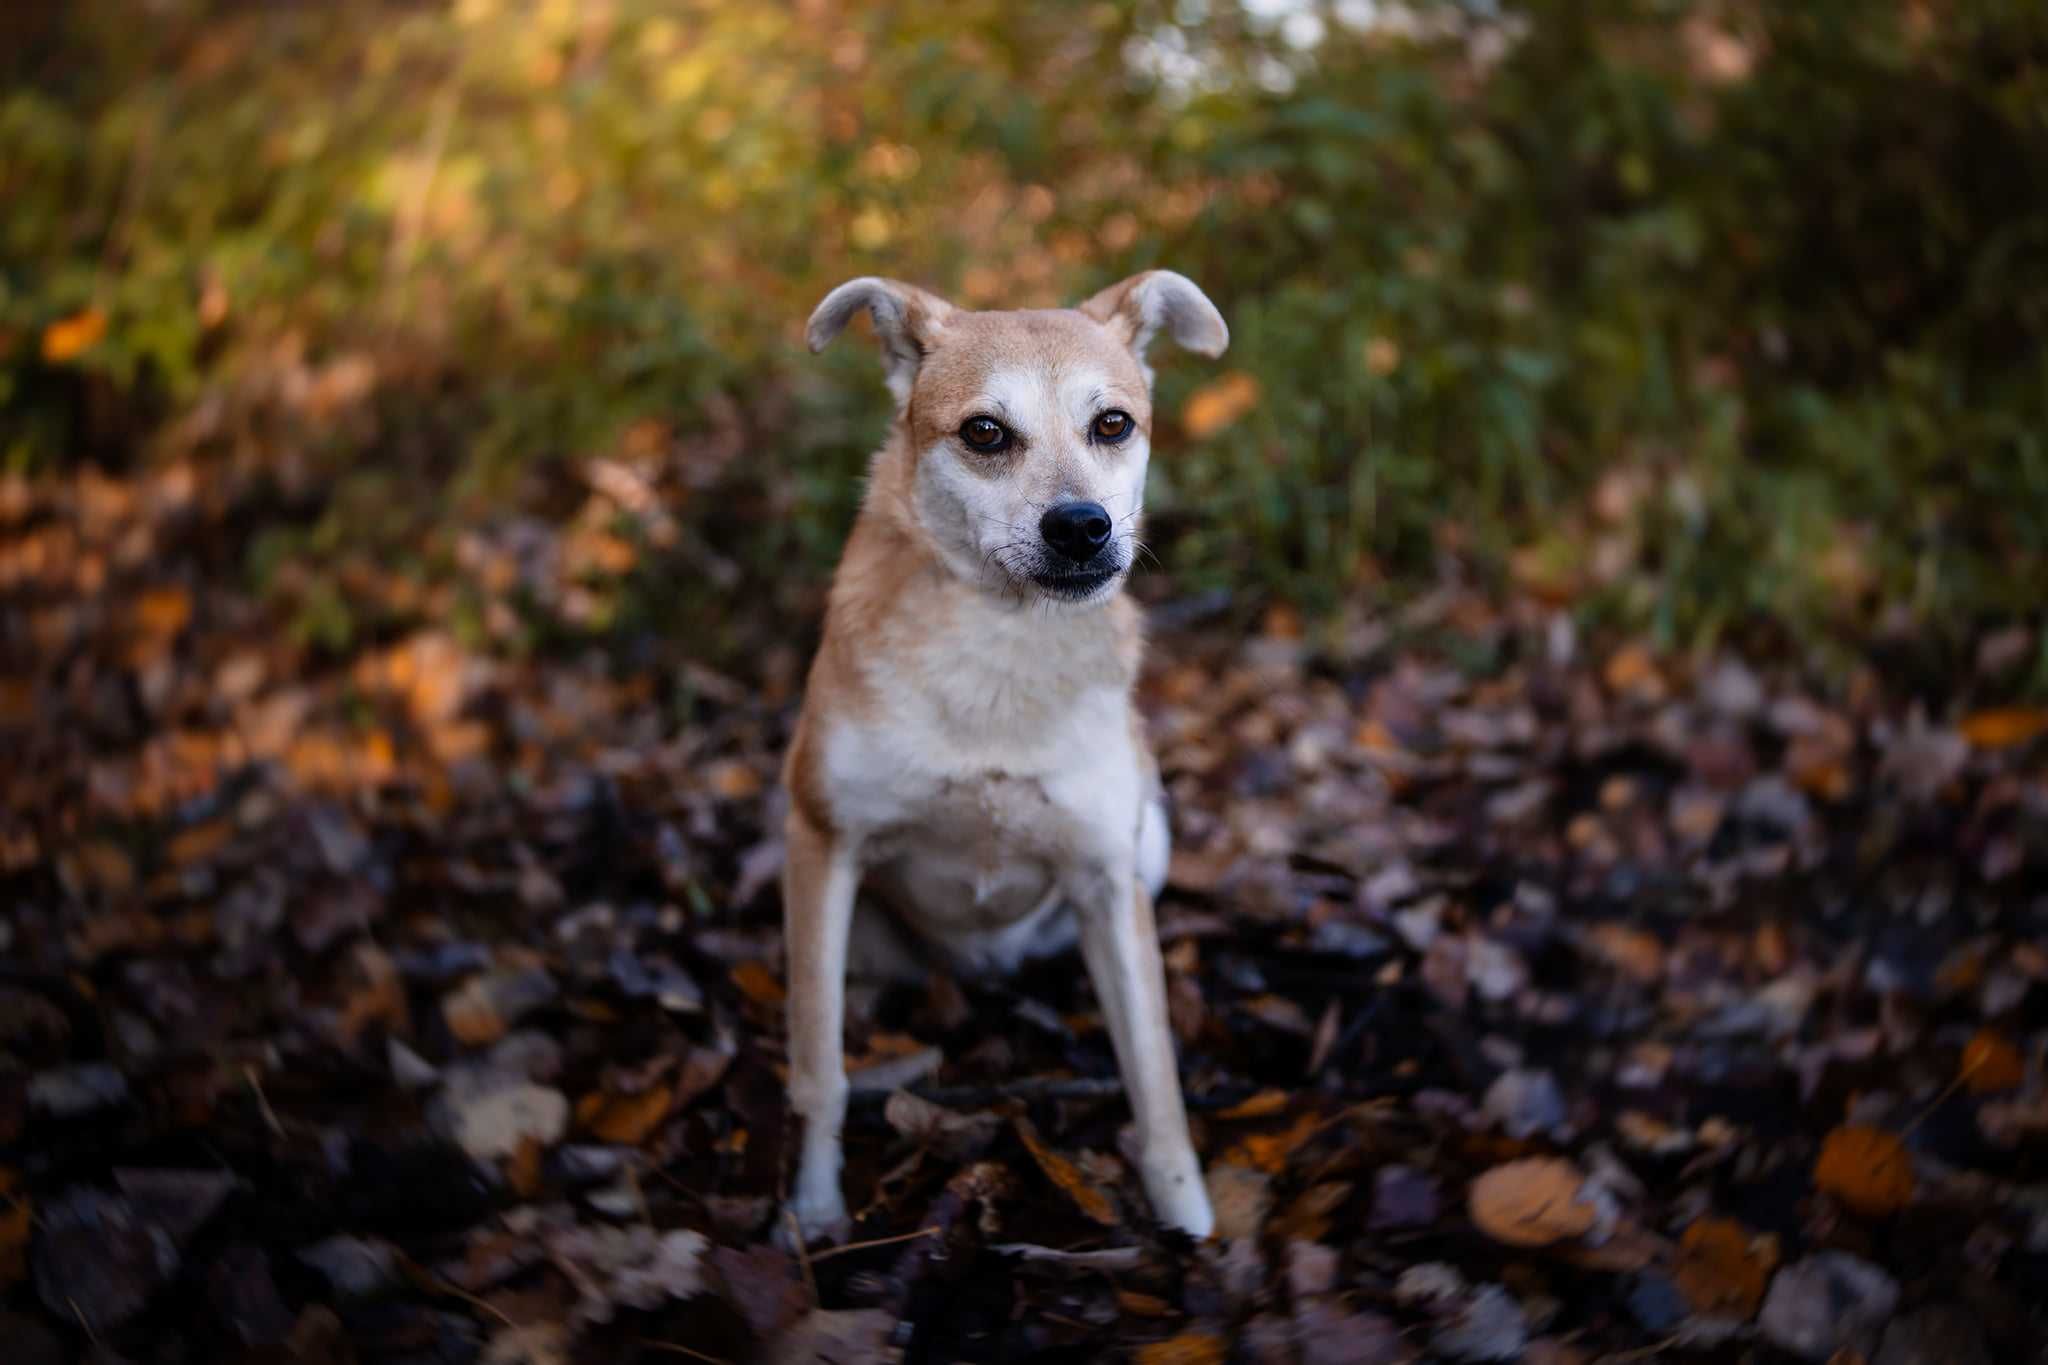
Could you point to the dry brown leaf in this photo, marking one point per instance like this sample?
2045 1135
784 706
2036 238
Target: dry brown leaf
472 1014
1866 1169
1086 1196
1531 1203
1724 1268
626 1119
1307 1219
1637 953
1218 403
2005 727
1189 1348
758 984
1991 1064
1142 1305
1629 1249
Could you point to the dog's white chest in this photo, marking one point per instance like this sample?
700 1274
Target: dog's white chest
971 832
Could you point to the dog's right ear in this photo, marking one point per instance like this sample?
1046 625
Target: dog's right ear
907 320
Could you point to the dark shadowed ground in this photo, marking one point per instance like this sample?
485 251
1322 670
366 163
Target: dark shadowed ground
1537 1000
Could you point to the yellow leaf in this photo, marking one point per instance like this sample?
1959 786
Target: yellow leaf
73 336
1531 1203
1867 1170
1065 1174
1992 1064
1218 403
2005 727
1189 1348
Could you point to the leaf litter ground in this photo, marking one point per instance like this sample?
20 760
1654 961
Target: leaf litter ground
1536 1001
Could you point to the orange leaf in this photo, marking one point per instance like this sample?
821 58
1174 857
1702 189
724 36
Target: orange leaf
1866 1169
522 1168
1142 1305
1531 1203
73 336
2005 727
1189 1348
1218 403
1991 1064
1065 1174
1259 1106
1269 1151
1631 669
628 1120
758 984
1723 1267
162 612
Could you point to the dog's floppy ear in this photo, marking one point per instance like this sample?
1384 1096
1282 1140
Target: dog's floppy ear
1137 308
906 320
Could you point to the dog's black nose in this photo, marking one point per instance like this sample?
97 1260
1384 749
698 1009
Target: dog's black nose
1077 530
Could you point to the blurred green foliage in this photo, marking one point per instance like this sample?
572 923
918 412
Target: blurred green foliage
1689 313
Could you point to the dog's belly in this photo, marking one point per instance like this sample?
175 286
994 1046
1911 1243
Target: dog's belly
977 872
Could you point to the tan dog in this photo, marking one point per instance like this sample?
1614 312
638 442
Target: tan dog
968 754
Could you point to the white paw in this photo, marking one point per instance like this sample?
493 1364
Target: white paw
813 1220
1173 1182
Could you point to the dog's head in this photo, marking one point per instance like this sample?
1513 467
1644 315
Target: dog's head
1027 433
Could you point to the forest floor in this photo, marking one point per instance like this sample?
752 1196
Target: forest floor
1536 1001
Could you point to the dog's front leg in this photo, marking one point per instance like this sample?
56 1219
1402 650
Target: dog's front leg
1121 947
819 880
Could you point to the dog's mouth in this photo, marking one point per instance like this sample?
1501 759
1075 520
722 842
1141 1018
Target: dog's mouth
1075 582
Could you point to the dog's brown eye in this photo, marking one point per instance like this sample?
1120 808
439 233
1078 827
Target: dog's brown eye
1113 426
984 433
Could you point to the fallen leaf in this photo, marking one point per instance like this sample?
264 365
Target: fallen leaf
1724 1268
1189 1348
1219 403
1270 1152
1631 670
758 984
1865 1169
1086 1196
1488 1326
1991 1064
97 1261
1258 1106
2005 727
626 1119
953 1136
1532 1202
1240 1198
846 1336
1828 1302
68 338
1142 1305
16 1218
